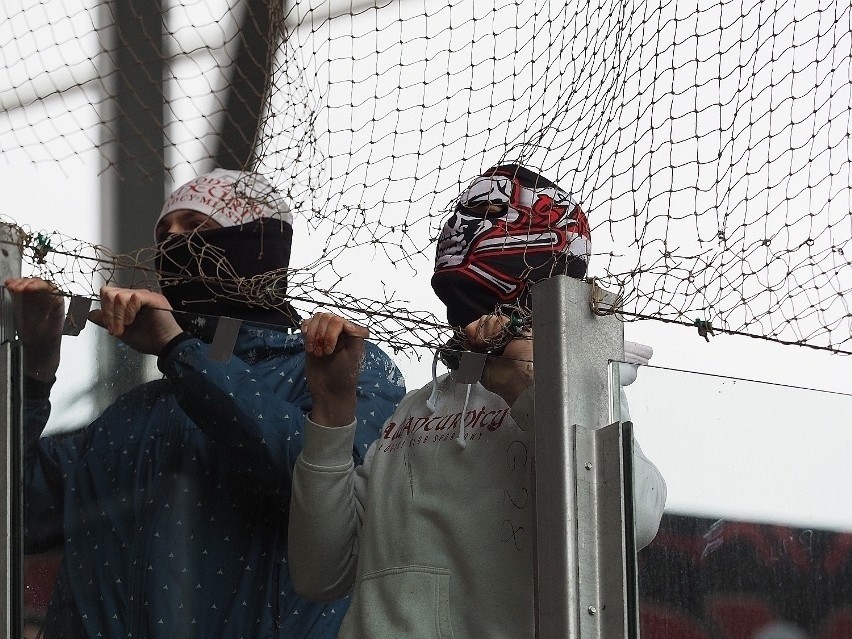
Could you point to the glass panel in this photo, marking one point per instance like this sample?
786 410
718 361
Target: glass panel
167 505
94 370
756 540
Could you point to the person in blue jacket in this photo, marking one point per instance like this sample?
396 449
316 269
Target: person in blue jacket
172 506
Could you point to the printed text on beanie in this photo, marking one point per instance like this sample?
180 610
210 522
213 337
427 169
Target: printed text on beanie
230 198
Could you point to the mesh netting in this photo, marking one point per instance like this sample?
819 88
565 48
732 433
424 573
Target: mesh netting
708 142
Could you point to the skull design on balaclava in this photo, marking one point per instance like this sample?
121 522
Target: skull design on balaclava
510 228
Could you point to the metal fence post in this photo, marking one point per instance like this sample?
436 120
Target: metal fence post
11 450
584 536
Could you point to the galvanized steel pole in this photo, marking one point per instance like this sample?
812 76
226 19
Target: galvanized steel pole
572 349
11 448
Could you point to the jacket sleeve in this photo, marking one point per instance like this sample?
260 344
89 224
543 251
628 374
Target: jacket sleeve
326 508
36 404
259 415
44 469
236 407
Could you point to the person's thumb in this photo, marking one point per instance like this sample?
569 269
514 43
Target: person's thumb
356 330
97 316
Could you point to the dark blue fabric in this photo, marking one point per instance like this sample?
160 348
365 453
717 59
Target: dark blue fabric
172 505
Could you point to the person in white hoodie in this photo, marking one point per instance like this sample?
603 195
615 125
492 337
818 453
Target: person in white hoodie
433 534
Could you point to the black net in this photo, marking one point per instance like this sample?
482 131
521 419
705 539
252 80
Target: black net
708 143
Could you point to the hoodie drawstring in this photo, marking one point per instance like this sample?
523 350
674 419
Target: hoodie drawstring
460 439
433 398
432 401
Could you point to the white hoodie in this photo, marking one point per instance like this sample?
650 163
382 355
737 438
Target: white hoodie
435 538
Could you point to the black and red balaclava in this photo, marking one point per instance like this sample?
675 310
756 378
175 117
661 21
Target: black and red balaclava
510 229
210 272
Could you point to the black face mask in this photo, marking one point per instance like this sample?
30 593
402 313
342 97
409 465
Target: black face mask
210 273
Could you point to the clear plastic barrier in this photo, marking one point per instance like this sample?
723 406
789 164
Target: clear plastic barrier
756 541
161 497
162 512
94 370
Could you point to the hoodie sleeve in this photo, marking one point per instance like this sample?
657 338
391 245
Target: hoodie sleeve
43 471
59 474
326 508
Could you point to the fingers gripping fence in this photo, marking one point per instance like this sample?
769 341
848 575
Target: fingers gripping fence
708 144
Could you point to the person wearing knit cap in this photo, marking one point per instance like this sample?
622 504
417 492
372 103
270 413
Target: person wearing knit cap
171 506
217 231
433 535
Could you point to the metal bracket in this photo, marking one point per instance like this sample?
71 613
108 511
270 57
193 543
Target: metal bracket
605 531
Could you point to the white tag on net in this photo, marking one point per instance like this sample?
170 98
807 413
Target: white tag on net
470 368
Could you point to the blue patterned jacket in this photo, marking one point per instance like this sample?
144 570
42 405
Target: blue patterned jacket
172 505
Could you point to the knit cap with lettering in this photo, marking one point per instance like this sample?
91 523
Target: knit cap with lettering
213 271
230 198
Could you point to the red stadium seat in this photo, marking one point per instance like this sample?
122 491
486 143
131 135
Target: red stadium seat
838 556
39 577
838 625
738 616
661 622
